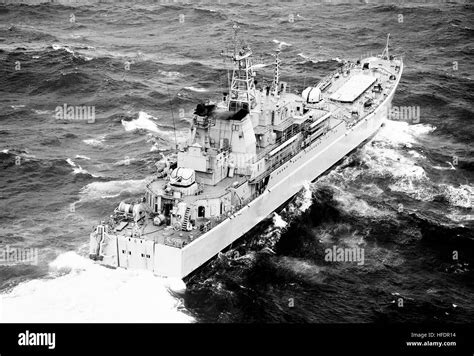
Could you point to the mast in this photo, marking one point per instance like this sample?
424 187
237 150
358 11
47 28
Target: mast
276 75
242 86
172 116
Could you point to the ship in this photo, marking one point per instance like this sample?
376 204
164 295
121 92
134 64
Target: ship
246 155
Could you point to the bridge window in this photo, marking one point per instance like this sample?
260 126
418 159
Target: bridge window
201 212
237 105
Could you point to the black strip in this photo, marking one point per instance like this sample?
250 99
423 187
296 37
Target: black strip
156 339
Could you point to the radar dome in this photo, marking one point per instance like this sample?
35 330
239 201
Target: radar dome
311 95
183 177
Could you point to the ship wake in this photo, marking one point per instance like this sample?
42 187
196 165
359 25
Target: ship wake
80 291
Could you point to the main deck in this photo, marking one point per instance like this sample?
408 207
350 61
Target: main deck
163 234
166 234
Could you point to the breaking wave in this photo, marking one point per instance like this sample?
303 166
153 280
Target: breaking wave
143 122
103 190
95 142
147 122
77 169
197 90
80 291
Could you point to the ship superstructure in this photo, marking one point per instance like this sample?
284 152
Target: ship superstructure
245 156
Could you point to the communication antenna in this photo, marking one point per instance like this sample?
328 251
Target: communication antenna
172 116
385 51
231 53
236 29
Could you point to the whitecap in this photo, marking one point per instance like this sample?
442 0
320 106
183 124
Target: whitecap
96 190
143 122
278 221
82 157
169 74
77 169
450 167
43 112
462 196
95 142
57 47
401 133
198 90
281 44
147 122
305 198
356 206
87 292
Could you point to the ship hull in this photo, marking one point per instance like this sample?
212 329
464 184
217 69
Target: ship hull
286 181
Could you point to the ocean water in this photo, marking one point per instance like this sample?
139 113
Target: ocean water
405 198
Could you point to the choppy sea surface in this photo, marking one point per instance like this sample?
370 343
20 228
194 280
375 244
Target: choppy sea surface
405 197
